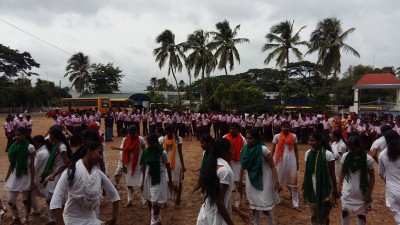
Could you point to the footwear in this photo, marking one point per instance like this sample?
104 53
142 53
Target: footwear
51 223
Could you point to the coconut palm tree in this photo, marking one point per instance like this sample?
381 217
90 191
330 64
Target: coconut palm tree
78 69
224 42
328 40
201 59
170 53
282 40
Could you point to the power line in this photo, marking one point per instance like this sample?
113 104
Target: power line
26 32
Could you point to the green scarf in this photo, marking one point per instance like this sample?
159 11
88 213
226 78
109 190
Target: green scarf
352 164
152 158
251 160
206 156
316 163
18 157
48 169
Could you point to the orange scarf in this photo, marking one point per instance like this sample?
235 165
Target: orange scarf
288 140
237 145
131 146
172 143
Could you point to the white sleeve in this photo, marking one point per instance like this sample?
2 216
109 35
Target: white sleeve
329 156
306 155
342 148
179 141
381 166
62 148
276 137
265 150
31 148
59 192
224 176
122 143
295 139
109 187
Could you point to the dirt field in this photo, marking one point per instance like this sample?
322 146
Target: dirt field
187 214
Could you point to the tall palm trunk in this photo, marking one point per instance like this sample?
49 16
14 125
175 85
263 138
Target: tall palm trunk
229 89
177 88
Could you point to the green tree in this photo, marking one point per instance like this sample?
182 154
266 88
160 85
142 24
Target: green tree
170 53
243 94
104 78
307 75
201 59
224 41
281 40
328 40
12 62
78 70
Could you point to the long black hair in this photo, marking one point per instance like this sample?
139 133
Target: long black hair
57 133
209 181
87 147
318 136
393 142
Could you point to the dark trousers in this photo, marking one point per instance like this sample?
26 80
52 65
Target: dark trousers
145 130
120 124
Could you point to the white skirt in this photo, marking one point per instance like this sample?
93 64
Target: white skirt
155 193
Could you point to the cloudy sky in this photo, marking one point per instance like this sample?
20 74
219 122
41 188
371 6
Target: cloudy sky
124 31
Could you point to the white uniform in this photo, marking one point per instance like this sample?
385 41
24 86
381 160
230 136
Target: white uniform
391 172
338 147
266 198
287 167
83 195
136 179
352 197
176 173
159 192
329 158
22 183
209 214
58 163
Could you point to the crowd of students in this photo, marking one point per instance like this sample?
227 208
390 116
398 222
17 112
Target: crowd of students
338 164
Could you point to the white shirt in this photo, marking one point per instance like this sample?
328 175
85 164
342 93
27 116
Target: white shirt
379 144
83 196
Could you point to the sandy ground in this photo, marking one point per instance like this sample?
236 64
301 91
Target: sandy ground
187 214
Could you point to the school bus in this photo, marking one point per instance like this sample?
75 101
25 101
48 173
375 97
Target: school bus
121 103
103 104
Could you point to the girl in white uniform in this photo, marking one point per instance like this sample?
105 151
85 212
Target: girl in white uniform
132 149
262 184
338 149
173 146
60 153
286 158
357 178
216 183
83 183
21 173
389 171
155 167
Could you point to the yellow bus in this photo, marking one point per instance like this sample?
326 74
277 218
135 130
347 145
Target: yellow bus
121 103
103 104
